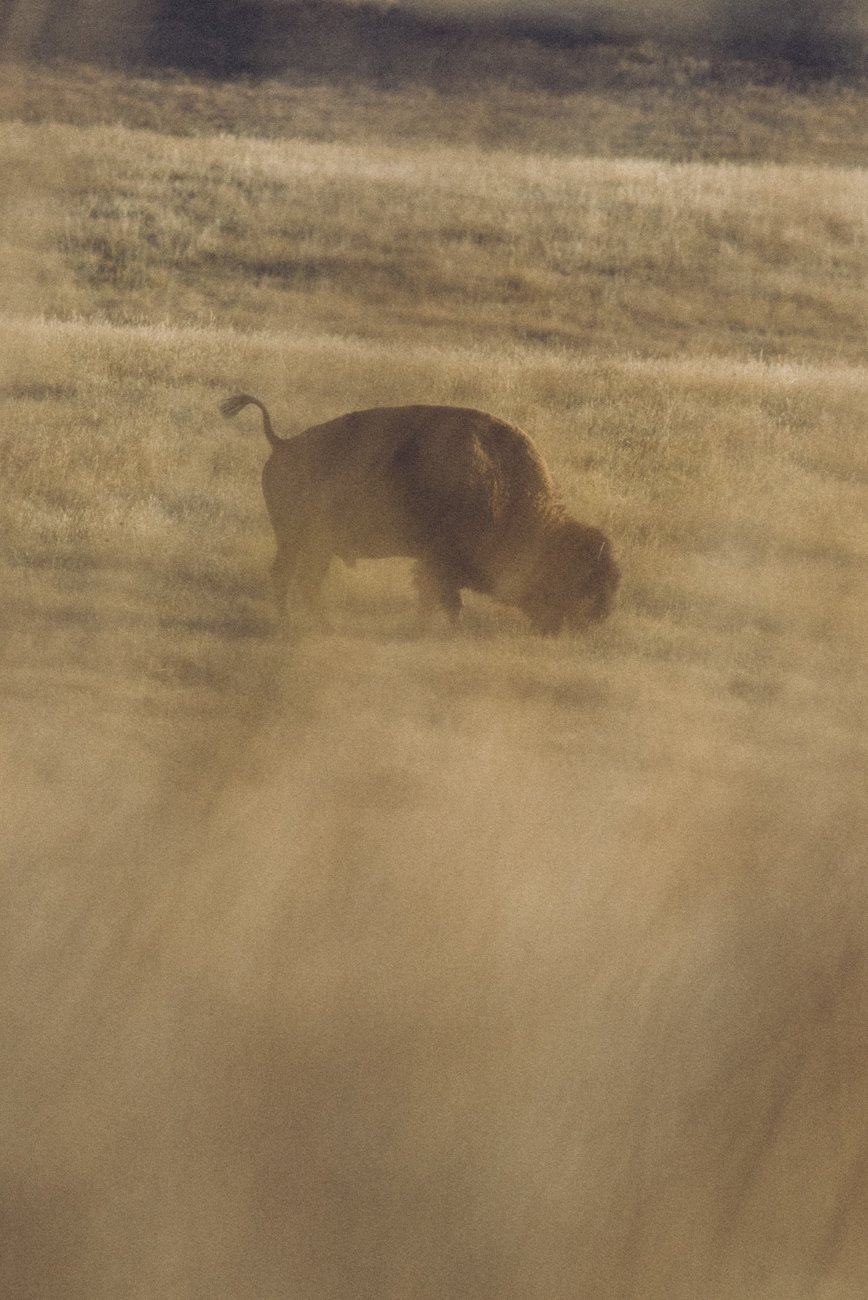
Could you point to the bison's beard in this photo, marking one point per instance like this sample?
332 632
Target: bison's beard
573 581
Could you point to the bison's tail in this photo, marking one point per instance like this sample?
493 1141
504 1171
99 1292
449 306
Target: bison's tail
233 405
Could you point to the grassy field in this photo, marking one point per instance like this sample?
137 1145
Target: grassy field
634 101
382 964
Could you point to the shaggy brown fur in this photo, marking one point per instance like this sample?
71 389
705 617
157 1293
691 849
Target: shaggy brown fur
463 493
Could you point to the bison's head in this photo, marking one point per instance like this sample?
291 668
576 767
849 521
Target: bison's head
575 580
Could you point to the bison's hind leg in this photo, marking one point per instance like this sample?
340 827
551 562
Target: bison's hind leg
282 569
310 572
305 571
438 589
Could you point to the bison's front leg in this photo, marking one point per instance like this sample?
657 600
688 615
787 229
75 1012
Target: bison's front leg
437 590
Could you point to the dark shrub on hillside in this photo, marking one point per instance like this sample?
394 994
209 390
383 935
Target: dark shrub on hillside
219 37
553 48
817 38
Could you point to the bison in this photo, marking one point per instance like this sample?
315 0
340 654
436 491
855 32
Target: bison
464 494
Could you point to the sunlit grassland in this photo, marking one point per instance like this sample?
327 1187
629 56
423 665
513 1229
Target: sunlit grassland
441 242
634 104
390 964
137 545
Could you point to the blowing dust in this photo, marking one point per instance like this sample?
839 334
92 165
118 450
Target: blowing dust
393 992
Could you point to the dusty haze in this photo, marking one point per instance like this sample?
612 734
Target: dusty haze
399 994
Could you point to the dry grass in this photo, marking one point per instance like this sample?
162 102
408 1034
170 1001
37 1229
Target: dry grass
379 965
441 243
634 103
